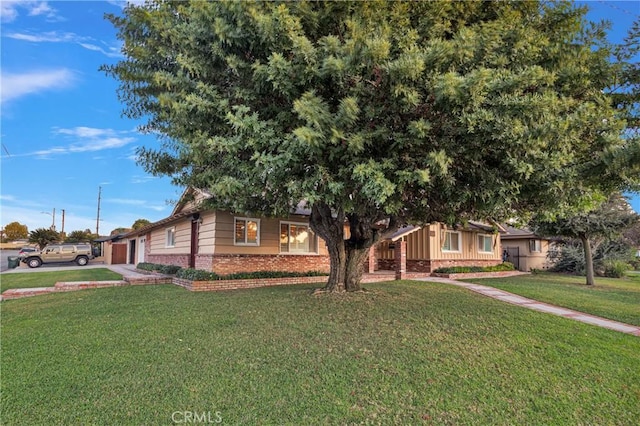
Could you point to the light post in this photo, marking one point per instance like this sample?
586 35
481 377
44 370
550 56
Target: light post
53 217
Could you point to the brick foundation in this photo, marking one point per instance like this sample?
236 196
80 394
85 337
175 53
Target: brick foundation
240 284
231 264
427 266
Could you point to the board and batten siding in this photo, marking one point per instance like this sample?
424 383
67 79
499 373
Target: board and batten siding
426 244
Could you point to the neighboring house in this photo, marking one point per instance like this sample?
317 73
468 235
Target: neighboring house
223 242
525 249
435 245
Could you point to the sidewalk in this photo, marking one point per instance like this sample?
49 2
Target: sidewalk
524 302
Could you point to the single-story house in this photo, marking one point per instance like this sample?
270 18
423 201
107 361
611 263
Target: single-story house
223 242
524 248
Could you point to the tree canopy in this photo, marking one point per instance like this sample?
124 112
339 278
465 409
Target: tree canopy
43 236
15 231
378 113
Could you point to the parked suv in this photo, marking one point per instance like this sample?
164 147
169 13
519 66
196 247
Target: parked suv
54 253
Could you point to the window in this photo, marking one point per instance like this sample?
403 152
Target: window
535 246
247 231
297 238
171 237
485 243
451 241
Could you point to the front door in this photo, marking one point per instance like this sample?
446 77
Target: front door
141 244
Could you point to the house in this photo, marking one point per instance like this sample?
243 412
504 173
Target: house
524 248
422 249
225 243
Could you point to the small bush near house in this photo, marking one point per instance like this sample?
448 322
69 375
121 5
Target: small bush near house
156 267
200 275
506 266
615 268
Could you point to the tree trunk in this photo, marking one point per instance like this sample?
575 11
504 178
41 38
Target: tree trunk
331 229
347 257
588 260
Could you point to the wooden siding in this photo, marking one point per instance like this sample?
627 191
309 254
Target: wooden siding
207 233
426 244
182 238
269 236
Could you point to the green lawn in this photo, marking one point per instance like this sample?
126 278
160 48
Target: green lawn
403 353
49 279
616 299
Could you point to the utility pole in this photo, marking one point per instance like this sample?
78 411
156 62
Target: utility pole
98 217
53 224
62 231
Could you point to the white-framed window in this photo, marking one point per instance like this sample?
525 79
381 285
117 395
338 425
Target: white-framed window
452 241
485 243
247 231
535 246
170 237
297 238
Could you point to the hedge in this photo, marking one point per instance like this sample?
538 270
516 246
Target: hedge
506 266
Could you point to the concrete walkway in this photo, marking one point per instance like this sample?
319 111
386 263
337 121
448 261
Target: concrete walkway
524 302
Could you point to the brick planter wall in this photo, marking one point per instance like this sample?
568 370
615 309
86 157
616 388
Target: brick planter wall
426 266
240 284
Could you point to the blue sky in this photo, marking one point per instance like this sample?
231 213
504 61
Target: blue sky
62 132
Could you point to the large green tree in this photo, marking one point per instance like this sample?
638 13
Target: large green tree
376 113
607 221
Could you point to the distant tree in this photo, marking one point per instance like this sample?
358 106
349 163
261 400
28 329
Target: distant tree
80 236
376 113
43 236
608 221
15 231
140 223
119 231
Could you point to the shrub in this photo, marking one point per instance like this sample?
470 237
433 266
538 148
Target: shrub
615 268
169 269
200 275
197 275
156 267
505 266
145 266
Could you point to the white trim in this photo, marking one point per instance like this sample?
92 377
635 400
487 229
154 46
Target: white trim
313 241
459 250
171 229
484 236
246 220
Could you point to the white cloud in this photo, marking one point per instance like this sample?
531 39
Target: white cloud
88 43
18 85
11 9
47 37
83 139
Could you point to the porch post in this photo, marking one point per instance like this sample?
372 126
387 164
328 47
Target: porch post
400 254
373 260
